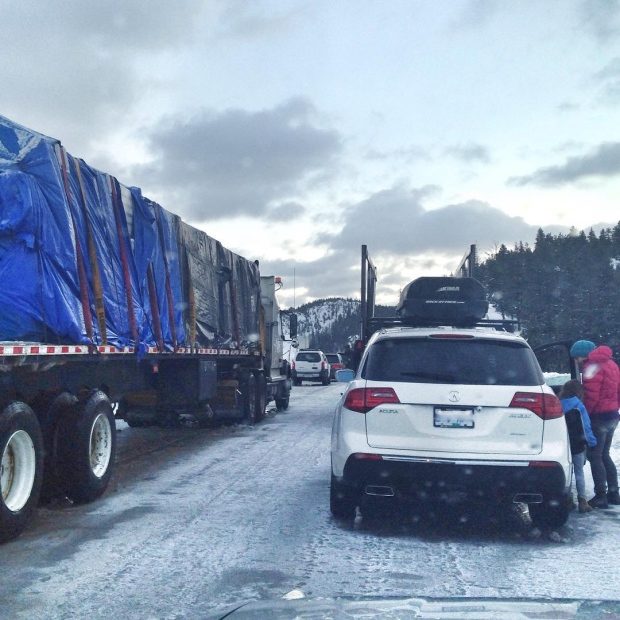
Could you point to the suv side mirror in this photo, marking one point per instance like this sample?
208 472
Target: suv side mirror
292 325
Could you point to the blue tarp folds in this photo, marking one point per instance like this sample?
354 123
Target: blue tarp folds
86 260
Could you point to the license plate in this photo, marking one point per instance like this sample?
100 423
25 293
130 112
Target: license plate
453 418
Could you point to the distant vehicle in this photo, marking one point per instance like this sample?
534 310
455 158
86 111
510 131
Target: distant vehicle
449 413
335 363
310 365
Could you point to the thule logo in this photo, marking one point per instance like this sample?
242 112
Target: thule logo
448 288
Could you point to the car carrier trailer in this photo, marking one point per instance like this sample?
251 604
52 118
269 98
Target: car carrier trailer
109 304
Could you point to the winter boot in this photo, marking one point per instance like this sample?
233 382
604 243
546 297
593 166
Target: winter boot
613 497
583 505
599 501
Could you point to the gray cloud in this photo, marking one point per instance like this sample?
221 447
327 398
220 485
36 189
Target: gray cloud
222 164
601 18
609 79
70 68
404 238
604 161
242 19
399 224
286 211
476 13
470 152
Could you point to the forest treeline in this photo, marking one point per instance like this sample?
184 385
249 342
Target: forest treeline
565 287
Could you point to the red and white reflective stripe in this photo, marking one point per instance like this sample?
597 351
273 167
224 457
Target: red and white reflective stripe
44 349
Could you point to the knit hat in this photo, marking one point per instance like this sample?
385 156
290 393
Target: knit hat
582 348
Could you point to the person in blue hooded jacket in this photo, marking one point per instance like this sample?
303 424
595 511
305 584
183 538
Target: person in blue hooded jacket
581 436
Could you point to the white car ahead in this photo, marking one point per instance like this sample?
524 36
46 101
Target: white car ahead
442 413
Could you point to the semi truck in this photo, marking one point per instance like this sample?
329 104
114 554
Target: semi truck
113 307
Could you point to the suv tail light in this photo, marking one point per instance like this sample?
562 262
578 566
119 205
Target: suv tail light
293 365
365 399
323 366
545 406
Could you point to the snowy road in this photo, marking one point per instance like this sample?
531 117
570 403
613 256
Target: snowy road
198 519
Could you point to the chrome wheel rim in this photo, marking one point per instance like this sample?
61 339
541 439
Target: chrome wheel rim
17 471
100 445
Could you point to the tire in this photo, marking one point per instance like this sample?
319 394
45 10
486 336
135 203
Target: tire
326 381
21 477
341 500
88 449
296 381
247 386
261 397
282 403
58 408
552 513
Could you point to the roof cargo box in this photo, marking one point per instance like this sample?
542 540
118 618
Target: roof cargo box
443 301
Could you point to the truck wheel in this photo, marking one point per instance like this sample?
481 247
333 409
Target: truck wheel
552 513
341 500
88 449
261 397
59 407
282 403
247 386
21 468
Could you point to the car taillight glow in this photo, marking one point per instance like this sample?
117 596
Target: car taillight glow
545 406
365 399
293 365
323 366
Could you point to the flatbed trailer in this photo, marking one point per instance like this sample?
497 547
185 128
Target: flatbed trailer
111 307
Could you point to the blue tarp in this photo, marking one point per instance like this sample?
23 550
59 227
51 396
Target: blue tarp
86 260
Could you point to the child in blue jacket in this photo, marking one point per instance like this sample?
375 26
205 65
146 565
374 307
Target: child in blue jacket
580 435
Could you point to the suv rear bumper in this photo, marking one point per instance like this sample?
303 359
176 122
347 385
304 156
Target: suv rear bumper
439 480
309 376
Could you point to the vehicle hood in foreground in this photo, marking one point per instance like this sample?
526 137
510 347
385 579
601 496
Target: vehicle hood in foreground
405 608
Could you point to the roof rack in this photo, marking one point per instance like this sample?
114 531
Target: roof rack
459 302
385 322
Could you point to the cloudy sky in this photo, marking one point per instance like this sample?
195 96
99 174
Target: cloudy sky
296 130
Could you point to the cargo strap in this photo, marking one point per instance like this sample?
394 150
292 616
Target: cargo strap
154 307
122 244
94 263
169 297
82 279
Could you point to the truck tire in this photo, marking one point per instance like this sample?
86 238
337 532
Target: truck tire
88 448
21 470
61 406
261 397
552 513
282 403
247 387
341 500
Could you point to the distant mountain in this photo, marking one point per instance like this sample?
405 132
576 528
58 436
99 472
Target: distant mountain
330 324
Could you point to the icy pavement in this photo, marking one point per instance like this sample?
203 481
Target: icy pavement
196 520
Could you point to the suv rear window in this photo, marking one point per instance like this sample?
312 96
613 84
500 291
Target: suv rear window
308 356
467 362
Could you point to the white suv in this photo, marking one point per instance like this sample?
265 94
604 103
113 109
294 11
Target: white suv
311 366
436 413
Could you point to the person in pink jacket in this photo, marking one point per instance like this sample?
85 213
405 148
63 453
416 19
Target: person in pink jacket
601 382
